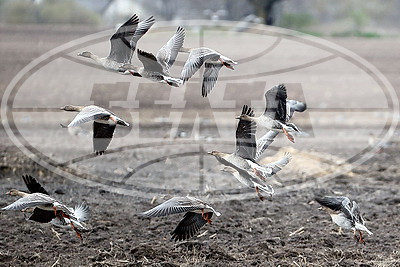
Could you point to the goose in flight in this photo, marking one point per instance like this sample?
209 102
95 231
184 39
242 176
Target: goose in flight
123 44
156 68
104 124
213 61
275 114
241 163
45 209
345 214
197 214
266 140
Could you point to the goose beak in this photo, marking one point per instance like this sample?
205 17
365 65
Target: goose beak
237 117
209 152
8 193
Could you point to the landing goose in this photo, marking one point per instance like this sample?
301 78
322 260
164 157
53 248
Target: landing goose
345 214
266 140
275 114
45 209
123 43
197 214
241 163
104 124
156 68
213 62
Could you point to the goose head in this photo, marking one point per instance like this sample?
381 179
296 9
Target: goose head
216 153
15 192
244 117
86 54
71 108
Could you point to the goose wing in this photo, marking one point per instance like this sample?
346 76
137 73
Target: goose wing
210 77
42 216
82 212
340 204
167 54
173 206
102 135
355 210
264 142
121 41
278 165
276 103
245 136
189 226
196 59
33 185
141 30
149 62
89 113
30 201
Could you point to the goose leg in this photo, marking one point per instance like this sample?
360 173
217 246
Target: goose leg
288 135
205 216
258 174
340 231
55 211
361 240
261 197
72 225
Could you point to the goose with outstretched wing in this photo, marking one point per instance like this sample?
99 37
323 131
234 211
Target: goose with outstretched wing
266 140
345 214
275 114
241 163
156 68
104 124
197 214
213 61
123 44
44 209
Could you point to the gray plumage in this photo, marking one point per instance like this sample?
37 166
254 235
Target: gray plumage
213 62
179 205
167 54
266 140
344 213
197 214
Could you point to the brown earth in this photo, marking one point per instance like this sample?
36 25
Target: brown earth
285 230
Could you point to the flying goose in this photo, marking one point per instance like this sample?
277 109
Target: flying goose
156 68
104 124
197 214
275 114
123 43
345 214
241 162
213 62
45 209
266 140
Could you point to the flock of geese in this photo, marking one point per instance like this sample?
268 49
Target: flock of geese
39 206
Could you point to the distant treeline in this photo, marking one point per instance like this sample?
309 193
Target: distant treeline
46 11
